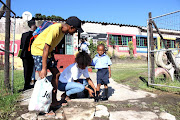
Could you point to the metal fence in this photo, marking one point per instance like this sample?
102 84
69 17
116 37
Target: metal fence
10 52
163 50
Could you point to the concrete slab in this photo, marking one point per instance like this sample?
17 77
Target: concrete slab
133 115
79 113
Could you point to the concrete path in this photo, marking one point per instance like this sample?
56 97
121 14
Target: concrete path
124 104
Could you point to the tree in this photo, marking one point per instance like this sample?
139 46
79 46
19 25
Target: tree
48 17
44 17
53 17
38 15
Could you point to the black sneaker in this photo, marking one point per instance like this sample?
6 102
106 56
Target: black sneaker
104 98
96 99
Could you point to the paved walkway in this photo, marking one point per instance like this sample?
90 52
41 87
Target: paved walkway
124 104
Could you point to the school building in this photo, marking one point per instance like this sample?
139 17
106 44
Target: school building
97 31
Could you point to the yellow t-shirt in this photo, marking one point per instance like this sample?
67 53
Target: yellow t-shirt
51 36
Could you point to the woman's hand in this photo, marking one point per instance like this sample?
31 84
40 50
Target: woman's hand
91 93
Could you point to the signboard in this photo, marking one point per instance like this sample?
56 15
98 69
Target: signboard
16 46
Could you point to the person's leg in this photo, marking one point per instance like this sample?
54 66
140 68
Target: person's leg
105 81
27 64
105 92
25 71
33 76
73 87
38 64
99 81
97 93
54 82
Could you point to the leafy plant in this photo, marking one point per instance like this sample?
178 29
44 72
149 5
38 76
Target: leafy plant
113 42
92 48
139 57
130 45
109 54
122 57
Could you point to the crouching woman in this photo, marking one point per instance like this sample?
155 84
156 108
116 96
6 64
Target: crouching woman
68 80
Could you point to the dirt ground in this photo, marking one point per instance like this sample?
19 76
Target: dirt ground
169 102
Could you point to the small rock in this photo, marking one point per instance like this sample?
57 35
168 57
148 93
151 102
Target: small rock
101 107
101 111
13 114
134 101
167 116
156 108
29 116
79 113
143 103
19 118
44 117
156 111
145 107
59 116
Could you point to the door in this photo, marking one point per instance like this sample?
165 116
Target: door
69 44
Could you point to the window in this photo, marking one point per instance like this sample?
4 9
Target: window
169 43
141 41
119 40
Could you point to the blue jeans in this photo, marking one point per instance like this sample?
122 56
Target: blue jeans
71 87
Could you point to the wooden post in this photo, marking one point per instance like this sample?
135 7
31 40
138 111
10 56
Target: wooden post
152 70
7 42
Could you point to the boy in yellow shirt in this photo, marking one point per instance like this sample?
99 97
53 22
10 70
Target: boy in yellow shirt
44 44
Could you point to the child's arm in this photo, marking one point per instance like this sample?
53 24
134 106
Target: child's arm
109 67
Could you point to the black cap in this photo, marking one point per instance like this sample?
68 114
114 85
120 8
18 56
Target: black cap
75 22
31 22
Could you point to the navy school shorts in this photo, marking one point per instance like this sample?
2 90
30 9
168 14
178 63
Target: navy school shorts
103 76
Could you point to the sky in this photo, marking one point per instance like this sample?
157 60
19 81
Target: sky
130 12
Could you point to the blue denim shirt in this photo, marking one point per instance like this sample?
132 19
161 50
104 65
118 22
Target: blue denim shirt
102 61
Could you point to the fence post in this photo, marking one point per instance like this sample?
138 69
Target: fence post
7 42
152 71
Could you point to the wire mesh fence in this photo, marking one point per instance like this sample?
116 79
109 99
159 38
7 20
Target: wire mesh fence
163 51
4 37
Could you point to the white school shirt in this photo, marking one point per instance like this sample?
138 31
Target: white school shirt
72 72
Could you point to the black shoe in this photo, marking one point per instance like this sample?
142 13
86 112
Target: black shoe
96 99
104 98
26 88
22 90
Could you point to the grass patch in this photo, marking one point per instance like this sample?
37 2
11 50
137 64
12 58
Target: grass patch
8 100
131 73
126 73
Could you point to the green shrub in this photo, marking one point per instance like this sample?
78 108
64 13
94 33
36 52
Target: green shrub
138 57
1 65
109 54
122 57
92 48
130 45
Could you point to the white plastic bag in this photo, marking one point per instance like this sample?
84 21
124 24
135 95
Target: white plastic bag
41 97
